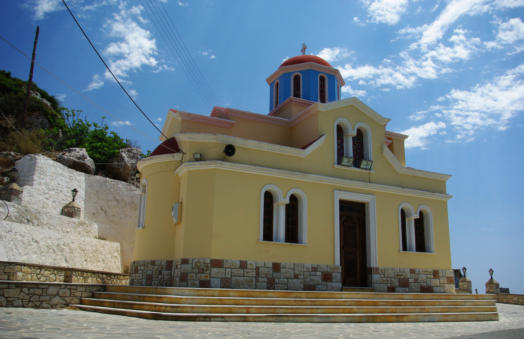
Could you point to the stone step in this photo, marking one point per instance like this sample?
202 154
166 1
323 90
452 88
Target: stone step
272 309
311 318
199 300
358 289
182 291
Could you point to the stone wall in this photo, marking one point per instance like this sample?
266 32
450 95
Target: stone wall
15 271
111 204
44 295
224 273
392 279
38 245
517 299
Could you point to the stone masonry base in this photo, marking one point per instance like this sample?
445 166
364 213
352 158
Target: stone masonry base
245 274
249 274
415 280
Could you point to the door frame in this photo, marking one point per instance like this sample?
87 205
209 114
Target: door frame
371 224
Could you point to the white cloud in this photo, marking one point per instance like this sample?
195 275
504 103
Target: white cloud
120 123
43 7
209 54
133 93
419 135
467 112
334 54
135 47
510 32
95 83
386 11
353 92
182 4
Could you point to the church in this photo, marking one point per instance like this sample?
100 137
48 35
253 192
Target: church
314 195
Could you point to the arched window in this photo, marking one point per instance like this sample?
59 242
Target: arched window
403 230
358 148
338 91
271 212
276 93
340 144
342 140
420 229
292 220
268 217
322 89
406 214
142 206
297 82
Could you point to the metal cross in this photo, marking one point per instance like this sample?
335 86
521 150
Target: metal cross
303 50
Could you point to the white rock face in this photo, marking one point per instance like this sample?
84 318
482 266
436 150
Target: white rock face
111 204
38 245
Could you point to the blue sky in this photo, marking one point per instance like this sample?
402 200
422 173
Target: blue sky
448 73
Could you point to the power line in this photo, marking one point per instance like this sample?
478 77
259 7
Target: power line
175 44
112 74
71 88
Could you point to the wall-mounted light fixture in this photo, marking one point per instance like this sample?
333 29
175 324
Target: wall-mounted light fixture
197 156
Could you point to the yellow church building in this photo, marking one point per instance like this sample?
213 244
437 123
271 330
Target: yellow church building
315 195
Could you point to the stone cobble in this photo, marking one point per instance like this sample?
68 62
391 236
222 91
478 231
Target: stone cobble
33 323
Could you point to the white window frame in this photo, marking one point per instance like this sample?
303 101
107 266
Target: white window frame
428 228
278 211
410 227
293 85
142 205
302 214
326 86
348 142
371 224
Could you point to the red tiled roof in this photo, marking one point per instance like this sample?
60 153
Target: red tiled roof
167 147
300 59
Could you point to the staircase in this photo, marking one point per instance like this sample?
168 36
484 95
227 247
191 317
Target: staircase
204 304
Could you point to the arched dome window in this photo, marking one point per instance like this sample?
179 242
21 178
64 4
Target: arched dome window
322 89
277 84
297 84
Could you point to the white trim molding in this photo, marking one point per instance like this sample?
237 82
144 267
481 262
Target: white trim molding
359 105
157 159
307 177
251 144
302 213
411 171
371 224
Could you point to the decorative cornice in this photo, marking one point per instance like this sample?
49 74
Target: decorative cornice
306 65
251 144
358 104
157 159
395 135
314 178
411 171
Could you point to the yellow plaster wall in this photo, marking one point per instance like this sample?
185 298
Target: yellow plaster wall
224 222
156 239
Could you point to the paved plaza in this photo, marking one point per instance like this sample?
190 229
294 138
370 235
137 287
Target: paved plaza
38 323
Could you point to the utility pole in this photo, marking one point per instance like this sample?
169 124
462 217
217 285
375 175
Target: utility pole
31 71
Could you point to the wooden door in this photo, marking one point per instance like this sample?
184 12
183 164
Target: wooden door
353 243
